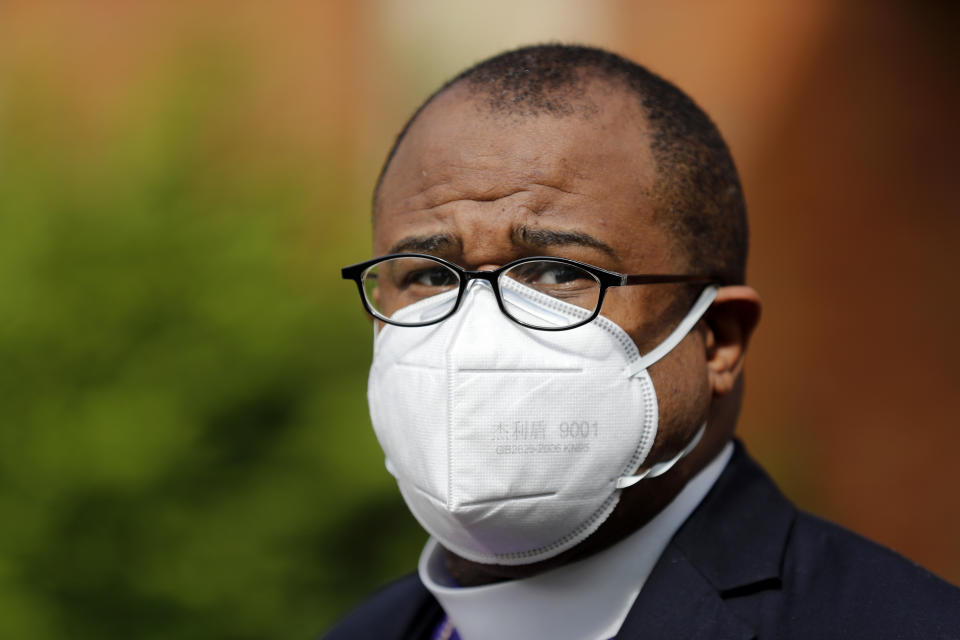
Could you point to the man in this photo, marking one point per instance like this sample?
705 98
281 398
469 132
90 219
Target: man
561 323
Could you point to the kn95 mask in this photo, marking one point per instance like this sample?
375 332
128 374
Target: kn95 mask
511 445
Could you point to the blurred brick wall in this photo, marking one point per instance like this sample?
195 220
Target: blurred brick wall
842 118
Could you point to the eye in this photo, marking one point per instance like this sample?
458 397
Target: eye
432 277
548 274
558 274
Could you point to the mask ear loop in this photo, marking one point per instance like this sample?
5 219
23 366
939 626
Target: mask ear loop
699 308
662 467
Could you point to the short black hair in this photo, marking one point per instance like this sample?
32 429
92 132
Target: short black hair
697 190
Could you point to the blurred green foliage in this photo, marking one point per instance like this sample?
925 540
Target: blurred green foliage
184 448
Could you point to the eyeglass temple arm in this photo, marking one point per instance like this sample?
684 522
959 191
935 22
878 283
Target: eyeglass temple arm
659 279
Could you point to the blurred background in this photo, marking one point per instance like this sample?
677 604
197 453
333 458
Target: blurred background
185 450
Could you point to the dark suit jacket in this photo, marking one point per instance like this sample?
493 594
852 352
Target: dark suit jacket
746 564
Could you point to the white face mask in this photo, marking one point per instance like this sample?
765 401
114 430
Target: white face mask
511 445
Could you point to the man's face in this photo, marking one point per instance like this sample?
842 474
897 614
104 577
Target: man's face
482 189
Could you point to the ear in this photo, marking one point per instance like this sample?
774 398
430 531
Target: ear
730 323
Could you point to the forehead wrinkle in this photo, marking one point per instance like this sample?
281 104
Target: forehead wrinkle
426 197
442 173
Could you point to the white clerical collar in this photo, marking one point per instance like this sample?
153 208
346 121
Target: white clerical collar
584 600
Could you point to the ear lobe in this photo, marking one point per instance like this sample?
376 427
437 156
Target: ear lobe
730 323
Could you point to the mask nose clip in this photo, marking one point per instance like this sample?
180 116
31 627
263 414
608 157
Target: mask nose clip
475 289
478 283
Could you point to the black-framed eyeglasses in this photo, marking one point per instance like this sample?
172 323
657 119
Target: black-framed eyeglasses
546 293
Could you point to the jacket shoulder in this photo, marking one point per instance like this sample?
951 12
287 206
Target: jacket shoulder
789 575
402 609
865 589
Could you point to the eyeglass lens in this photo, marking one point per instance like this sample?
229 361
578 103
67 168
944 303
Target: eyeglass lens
561 281
394 285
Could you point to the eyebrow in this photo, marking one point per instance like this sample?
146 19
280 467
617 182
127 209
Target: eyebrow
424 244
542 238
539 238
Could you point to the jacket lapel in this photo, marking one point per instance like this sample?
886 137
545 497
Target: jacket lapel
732 545
677 602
